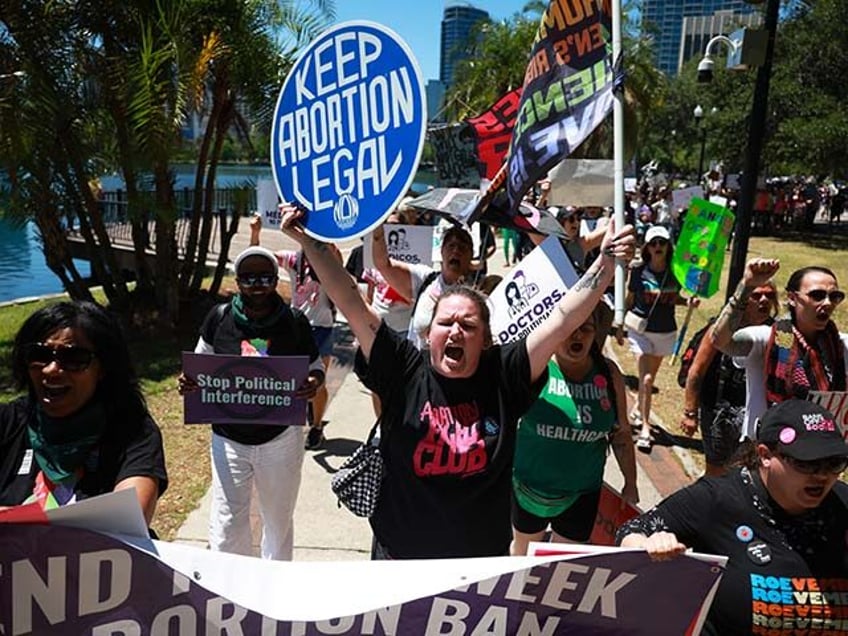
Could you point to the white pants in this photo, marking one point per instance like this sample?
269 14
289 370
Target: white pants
274 468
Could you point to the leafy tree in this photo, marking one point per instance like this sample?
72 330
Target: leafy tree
107 86
807 128
496 60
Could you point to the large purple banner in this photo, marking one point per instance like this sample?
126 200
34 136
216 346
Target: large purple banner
57 580
245 389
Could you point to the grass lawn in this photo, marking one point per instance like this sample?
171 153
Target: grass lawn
157 359
794 252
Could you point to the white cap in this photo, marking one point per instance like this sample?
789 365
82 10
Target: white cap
657 231
256 250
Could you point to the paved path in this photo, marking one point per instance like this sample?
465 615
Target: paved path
325 532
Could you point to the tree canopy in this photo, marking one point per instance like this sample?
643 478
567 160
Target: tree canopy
107 86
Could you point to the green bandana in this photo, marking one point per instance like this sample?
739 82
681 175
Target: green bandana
257 325
61 445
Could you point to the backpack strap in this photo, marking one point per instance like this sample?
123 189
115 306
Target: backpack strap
221 310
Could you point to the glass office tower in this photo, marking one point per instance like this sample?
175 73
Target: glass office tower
457 23
663 19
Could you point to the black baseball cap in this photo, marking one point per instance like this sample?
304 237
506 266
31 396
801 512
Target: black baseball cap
803 430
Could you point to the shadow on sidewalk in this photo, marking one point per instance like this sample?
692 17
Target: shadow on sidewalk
336 447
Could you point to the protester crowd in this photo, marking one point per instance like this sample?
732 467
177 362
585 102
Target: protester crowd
486 446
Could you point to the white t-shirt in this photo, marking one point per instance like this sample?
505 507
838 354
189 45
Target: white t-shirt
426 303
390 306
755 375
307 294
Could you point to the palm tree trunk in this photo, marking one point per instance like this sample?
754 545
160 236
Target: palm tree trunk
220 131
197 208
166 290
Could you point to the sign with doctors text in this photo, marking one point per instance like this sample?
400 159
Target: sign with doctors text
349 129
248 389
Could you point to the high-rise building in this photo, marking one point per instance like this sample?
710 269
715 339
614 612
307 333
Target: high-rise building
698 30
458 21
664 20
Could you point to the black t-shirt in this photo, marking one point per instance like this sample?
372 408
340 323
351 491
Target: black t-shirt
785 574
448 446
128 449
646 285
291 335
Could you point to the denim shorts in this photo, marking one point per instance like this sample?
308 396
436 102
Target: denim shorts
323 340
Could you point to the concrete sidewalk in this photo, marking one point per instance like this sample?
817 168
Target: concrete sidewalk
325 532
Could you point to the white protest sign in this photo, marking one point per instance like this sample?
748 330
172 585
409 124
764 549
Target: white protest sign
530 291
266 202
405 243
680 198
582 183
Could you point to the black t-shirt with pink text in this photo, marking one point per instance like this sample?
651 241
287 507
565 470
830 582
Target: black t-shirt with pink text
448 446
785 575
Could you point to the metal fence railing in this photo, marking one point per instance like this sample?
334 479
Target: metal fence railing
114 207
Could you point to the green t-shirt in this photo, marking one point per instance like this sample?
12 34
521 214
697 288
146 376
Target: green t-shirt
562 442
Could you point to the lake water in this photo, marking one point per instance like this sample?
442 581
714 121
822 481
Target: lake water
23 272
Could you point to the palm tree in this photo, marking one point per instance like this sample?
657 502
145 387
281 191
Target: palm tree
109 84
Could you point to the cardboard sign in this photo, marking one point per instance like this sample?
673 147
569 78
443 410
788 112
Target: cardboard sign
699 253
245 389
681 197
613 512
530 291
349 129
409 244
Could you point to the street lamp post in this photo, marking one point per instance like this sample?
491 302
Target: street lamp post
698 113
756 132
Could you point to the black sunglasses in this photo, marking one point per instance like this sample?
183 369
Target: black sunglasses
818 295
256 280
657 241
70 358
831 465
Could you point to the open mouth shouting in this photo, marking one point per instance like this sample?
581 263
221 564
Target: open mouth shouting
454 355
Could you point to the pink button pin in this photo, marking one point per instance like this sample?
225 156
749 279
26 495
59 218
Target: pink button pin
787 435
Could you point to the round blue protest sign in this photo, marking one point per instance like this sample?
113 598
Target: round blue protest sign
349 129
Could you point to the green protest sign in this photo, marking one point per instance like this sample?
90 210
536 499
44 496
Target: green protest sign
699 253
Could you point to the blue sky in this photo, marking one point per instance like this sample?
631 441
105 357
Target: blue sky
418 22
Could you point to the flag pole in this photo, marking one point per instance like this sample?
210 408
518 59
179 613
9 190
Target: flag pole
618 160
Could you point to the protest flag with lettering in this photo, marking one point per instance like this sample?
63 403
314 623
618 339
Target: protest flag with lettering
456 159
699 253
493 133
568 90
458 204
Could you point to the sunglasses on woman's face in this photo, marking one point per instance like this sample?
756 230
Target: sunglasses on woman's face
818 295
70 358
655 242
256 280
826 465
